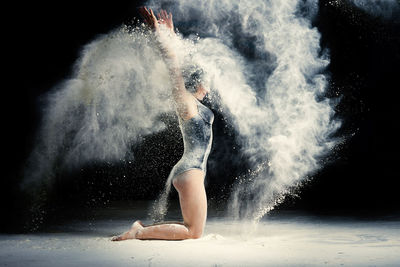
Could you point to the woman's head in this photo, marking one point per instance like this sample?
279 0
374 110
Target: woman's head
194 82
201 91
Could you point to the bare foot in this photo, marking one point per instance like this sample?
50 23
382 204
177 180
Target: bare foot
131 234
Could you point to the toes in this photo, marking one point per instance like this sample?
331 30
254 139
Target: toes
116 238
131 234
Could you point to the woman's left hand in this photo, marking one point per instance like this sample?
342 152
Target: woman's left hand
166 19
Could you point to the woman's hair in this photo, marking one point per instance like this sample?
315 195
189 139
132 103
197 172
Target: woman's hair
193 76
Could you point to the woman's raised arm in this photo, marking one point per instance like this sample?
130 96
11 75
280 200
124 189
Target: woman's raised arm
185 103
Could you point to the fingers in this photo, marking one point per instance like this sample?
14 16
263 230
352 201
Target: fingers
145 13
152 14
162 17
149 17
142 12
165 15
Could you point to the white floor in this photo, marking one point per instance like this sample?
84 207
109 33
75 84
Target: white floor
278 241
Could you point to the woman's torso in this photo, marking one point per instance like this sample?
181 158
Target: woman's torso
197 139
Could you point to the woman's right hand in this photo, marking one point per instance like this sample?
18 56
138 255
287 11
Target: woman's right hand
149 17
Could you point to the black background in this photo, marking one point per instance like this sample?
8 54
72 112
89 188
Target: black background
42 41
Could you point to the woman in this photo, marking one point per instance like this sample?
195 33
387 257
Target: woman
188 174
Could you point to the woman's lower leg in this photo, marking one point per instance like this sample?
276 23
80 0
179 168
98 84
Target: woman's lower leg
193 202
167 231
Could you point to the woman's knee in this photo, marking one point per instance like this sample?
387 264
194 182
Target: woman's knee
195 233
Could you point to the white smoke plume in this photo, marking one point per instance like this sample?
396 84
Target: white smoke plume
114 98
262 59
275 95
387 9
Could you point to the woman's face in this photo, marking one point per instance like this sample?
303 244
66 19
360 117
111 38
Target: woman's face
201 92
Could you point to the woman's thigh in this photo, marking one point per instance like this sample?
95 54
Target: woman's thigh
193 200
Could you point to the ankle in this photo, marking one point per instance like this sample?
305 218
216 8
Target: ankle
138 234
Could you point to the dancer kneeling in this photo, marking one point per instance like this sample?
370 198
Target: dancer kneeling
188 174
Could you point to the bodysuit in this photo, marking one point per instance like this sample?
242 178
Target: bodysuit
197 139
